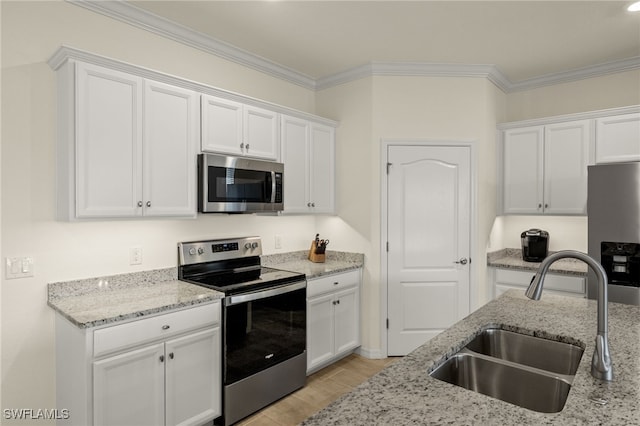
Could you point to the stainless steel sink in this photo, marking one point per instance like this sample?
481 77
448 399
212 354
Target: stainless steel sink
527 371
549 355
538 392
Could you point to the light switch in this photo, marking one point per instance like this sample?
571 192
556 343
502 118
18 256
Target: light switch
18 267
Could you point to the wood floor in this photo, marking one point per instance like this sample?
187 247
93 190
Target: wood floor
322 388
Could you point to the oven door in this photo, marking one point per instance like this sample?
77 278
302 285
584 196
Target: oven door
262 329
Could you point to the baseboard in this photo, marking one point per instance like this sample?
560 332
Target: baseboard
370 353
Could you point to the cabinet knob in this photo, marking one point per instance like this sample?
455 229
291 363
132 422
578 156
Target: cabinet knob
336 283
247 147
546 206
338 302
161 358
242 146
148 203
308 204
539 206
139 203
165 327
171 355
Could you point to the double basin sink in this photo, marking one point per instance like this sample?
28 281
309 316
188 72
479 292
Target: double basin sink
530 372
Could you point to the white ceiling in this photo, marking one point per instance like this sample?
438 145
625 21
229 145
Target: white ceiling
319 39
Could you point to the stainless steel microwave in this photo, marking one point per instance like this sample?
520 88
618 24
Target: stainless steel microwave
238 185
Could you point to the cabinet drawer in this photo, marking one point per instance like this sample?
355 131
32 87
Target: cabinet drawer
118 337
334 282
565 283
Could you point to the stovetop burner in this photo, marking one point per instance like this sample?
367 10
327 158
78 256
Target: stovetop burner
231 266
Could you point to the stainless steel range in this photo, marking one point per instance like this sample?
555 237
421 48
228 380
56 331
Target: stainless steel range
263 320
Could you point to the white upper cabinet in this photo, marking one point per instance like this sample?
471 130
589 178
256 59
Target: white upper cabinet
618 138
233 128
171 131
545 169
133 149
108 145
308 154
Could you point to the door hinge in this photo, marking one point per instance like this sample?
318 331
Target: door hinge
387 323
388 167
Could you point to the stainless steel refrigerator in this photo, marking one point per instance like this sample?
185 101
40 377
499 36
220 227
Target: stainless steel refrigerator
613 209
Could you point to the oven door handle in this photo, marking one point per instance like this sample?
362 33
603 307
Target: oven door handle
248 297
273 187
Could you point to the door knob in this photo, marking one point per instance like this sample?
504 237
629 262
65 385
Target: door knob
462 261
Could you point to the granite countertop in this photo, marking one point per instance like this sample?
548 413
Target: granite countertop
336 262
104 300
512 259
404 393
98 301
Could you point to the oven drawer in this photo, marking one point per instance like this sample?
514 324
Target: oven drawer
333 282
119 337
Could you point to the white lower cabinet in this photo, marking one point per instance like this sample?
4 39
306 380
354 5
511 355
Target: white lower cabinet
164 370
333 318
563 285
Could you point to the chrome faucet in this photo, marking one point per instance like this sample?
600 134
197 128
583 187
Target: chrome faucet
601 366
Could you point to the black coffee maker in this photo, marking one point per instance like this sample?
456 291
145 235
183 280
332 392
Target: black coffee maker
535 245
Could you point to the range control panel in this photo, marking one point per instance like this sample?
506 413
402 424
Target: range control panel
212 250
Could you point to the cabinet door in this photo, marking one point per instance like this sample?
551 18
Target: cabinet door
128 389
566 156
523 173
193 378
295 156
322 179
170 137
347 317
320 330
618 138
108 142
221 125
260 133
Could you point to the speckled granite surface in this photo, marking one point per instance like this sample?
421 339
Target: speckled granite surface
404 393
336 262
99 301
512 259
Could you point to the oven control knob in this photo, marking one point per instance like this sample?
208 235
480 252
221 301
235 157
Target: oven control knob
254 245
200 250
192 251
247 246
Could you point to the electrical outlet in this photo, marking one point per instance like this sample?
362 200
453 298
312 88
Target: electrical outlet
278 241
135 256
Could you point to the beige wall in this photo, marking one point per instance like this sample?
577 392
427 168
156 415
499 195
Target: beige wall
31 33
609 91
427 108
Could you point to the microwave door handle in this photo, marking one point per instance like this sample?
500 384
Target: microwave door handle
273 187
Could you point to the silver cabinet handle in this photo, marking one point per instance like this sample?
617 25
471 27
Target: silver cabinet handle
462 261
148 203
139 203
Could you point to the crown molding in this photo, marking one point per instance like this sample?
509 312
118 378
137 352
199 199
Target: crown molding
137 17
125 12
416 69
587 115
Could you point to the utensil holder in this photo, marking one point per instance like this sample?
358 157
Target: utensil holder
315 257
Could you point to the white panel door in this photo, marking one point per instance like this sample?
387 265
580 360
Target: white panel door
320 330
429 201
322 168
193 378
523 170
221 125
128 389
566 157
170 138
618 138
295 156
261 133
109 142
